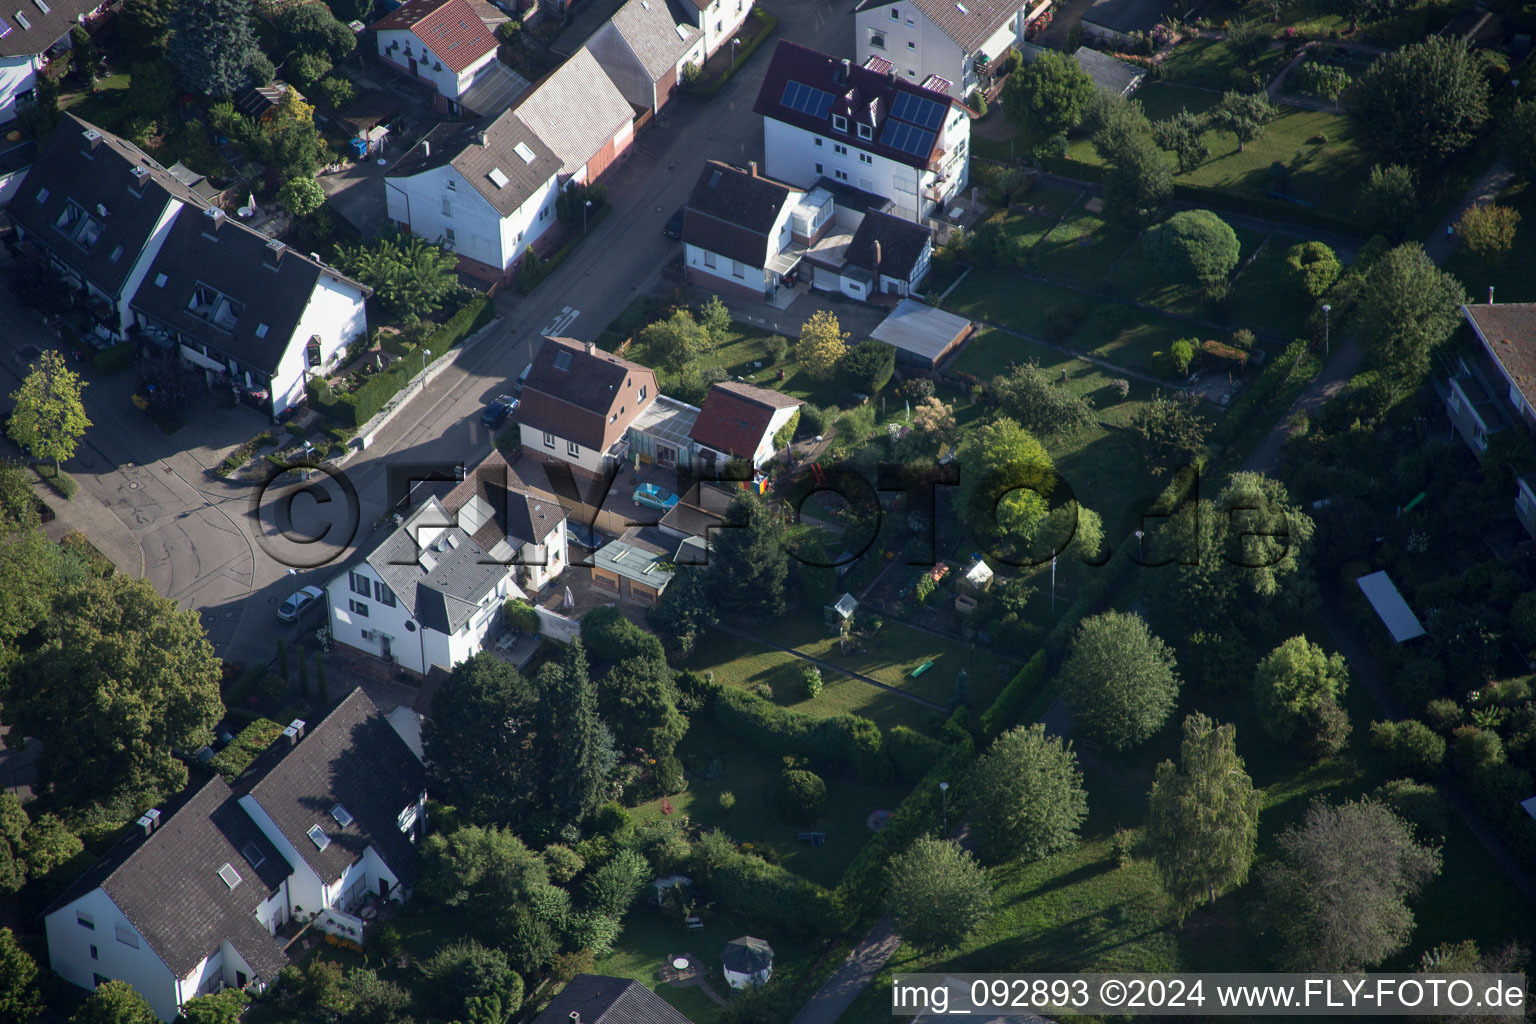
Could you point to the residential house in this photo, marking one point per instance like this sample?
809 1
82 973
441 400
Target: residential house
1495 386
245 308
644 49
190 901
596 999
631 571
738 238
451 44
828 117
1110 74
153 256
579 402
740 421
582 117
717 20
659 435
28 33
427 596
486 191
885 255
948 41
514 524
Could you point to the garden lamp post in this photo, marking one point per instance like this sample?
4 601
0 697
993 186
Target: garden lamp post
944 805
1141 546
584 208
1326 310
308 449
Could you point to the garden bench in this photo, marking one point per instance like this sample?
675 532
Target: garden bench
814 838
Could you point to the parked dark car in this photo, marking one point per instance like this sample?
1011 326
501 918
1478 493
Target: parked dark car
674 228
497 412
585 536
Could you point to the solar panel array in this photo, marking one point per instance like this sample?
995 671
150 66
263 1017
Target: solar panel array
907 137
815 102
921 112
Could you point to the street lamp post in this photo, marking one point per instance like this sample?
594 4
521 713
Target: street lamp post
308 449
1141 546
734 44
944 805
1326 347
426 354
584 208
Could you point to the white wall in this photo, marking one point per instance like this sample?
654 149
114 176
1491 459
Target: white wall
553 553
587 458
720 21
756 278
304 889
913 43
348 627
146 257
446 82
480 232
17 75
69 952
792 156
337 313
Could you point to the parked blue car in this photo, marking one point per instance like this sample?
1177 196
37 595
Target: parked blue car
651 496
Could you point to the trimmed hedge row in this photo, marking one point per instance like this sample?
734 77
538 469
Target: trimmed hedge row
528 278
750 886
245 748
912 753
833 745
115 359
709 91
1010 703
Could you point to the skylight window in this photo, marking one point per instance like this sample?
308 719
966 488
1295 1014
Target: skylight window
253 855
43 6
160 280
318 837
21 19
499 179
261 330
5 28
562 360
522 150
230 876
342 815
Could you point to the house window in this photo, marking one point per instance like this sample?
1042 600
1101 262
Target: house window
911 73
865 131
840 150
544 213
572 449
911 45
383 594
709 260
358 608
642 392
85 920
840 175
818 168
127 936
877 40
738 269
94 954
866 158
818 140
718 26
360 584
895 13
549 439
453 186
447 207
449 238
839 123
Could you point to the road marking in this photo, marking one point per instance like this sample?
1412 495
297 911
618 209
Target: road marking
562 322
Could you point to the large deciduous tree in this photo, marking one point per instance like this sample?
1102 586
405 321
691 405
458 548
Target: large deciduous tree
1407 307
822 344
1389 200
472 983
481 745
1338 893
20 1000
674 341
748 564
1028 798
1193 247
1048 96
1421 104
1244 114
120 681
49 417
1518 138
1172 430
937 893
1204 821
1139 184
1008 479
1041 404
214 48
1183 135
1299 691
115 1002
1488 229
1119 679
290 141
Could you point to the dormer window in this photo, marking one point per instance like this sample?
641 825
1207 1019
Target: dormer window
839 123
865 131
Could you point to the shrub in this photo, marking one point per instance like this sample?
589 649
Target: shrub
1243 340
1123 845
247 745
727 801
810 678
745 884
1008 707
913 754
776 348
1444 715
1413 747
1417 803
563 862
521 616
609 636
1061 320
832 745
978 103
1224 358
802 796
1182 352
115 359
613 821
63 484
814 420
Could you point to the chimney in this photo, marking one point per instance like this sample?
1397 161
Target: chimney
148 821
92 140
1490 295
575 1017
481 138
426 148
294 732
215 220
140 176
877 254
752 167
591 347
847 67
274 254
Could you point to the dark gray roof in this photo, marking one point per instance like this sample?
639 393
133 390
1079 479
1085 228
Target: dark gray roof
732 211
1108 73
901 245
167 884
355 758
441 586
851 197
460 145
1126 16
603 1000
47 26
653 34
747 955
514 512
96 175
969 23
572 392
271 282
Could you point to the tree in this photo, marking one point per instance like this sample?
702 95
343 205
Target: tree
1518 138
480 742
676 340
13 827
485 875
1244 114
1488 229
1338 893
1042 405
335 91
1294 684
1139 183
748 566
1048 96
937 893
214 46
1008 481
301 196
312 28
87 56
290 142
226 1007
716 318
115 1002
145 24
407 275
49 418
20 1000
1183 135
120 681
1193 247
1389 199
154 88
49 844
1314 268
686 610
1204 820
639 698
568 698
1247 38
935 421
615 886
1119 679
472 983
1421 104
802 796
823 343
1172 430
1325 81
868 366
1029 799
1407 307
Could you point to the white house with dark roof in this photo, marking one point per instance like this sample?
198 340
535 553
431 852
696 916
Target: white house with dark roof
644 49
948 40
451 44
512 523
824 117
581 116
426 597
884 255
740 421
579 402
486 191
28 32
738 235
190 901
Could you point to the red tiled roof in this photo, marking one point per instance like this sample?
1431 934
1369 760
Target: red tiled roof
735 417
451 29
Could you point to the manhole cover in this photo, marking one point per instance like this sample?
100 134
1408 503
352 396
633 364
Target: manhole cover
229 615
133 487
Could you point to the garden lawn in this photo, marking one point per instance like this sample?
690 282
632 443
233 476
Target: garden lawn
739 355
753 777
1082 249
1212 64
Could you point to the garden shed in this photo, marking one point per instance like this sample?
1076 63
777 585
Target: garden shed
978 577
840 612
748 961
921 335
1390 606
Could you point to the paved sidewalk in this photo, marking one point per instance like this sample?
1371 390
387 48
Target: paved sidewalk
89 516
863 963
1442 241
1341 366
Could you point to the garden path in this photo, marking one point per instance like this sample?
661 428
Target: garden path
863 963
827 666
1336 373
1442 241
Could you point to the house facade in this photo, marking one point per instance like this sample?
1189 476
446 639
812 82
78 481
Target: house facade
579 402
581 116
485 191
738 234
643 50
740 421
943 40
1494 387
885 255
718 21
824 117
443 42
427 596
190 902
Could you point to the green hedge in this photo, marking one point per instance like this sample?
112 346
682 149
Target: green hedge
640 312
833 745
1010 703
60 482
245 748
912 753
115 359
750 886
529 278
1263 402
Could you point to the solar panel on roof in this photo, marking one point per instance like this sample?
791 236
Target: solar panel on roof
921 112
907 138
801 97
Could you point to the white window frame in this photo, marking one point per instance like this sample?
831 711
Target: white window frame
865 131
549 439
573 449
839 123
